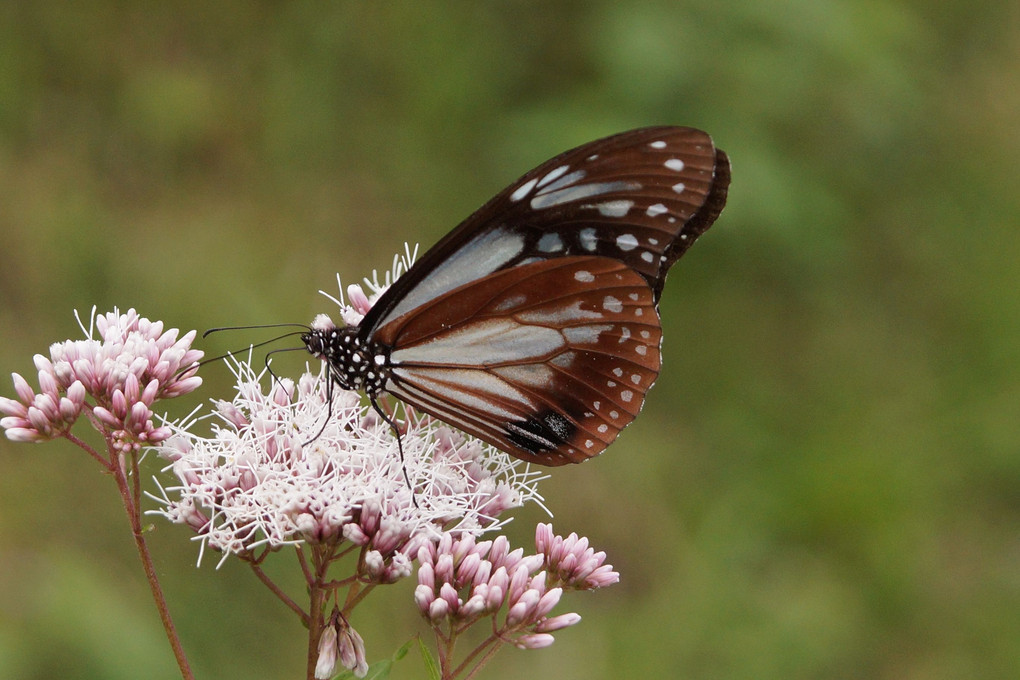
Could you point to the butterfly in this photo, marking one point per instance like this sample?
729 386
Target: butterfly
534 324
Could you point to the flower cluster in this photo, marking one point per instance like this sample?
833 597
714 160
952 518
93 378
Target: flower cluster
461 581
304 462
340 645
571 562
130 365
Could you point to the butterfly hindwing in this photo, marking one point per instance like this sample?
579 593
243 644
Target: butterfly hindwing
548 360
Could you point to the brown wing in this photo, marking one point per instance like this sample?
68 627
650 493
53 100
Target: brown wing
547 361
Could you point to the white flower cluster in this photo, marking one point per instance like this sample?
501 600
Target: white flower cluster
284 466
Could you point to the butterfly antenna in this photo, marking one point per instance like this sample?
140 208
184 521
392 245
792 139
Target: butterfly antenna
269 356
221 357
400 445
256 327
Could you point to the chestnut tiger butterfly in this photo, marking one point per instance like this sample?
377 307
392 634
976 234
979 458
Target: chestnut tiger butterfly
534 324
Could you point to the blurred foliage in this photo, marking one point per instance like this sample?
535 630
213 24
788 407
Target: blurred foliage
826 481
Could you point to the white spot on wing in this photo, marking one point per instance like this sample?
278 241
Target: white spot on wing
564 360
588 239
550 243
626 242
626 396
556 314
659 144
647 256
584 276
552 174
612 304
674 164
656 209
523 190
615 208
510 303
573 178
585 335
530 375
553 195
679 187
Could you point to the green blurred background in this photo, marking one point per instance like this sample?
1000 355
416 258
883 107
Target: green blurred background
826 480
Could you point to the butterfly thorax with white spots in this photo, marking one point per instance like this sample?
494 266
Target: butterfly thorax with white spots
353 363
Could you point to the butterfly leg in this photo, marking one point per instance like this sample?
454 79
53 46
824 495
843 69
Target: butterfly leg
400 445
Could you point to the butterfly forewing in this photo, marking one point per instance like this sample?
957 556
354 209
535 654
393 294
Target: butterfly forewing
640 197
548 360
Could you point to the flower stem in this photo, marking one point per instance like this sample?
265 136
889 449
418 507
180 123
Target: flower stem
131 507
492 643
262 576
317 599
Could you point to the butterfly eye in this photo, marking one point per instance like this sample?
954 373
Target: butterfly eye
534 324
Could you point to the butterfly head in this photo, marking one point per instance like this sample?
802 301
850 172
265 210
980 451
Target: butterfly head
353 363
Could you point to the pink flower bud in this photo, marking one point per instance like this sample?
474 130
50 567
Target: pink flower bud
24 434
547 602
494 596
48 407
23 389
438 610
426 575
444 567
534 641
352 652
482 573
557 623
449 593
12 407
38 420
424 597
358 299
522 610
329 653
467 569
474 606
